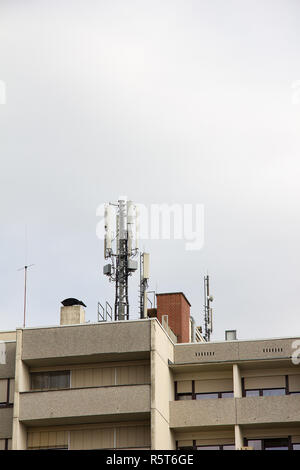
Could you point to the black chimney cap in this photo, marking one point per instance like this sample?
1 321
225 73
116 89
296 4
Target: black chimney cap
69 302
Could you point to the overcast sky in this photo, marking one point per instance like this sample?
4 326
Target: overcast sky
169 101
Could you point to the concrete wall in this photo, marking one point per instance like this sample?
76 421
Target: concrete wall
66 406
86 342
162 388
199 413
234 351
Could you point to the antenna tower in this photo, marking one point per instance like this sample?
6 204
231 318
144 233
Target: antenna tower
208 326
120 220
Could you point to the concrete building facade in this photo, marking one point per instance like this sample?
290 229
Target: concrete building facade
130 385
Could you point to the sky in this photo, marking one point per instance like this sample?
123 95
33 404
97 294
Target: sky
170 101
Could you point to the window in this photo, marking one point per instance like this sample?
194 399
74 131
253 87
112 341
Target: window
205 396
226 394
50 380
276 444
296 446
184 396
218 447
273 392
6 392
269 444
252 393
265 392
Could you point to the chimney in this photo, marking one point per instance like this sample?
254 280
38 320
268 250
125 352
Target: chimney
230 335
177 307
72 312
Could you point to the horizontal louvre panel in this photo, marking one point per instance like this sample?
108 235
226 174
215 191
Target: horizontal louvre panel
294 383
92 439
215 442
3 390
296 439
275 381
184 386
11 390
133 436
93 377
185 443
47 439
218 385
131 375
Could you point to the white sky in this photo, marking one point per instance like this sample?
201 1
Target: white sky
187 101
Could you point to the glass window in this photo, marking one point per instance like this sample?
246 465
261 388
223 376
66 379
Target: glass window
187 396
273 392
60 379
255 443
227 395
205 396
276 444
252 393
296 446
229 447
50 380
208 448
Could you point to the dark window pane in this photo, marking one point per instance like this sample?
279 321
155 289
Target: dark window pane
205 396
208 448
276 444
252 393
50 380
273 392
229 447
60 379
227 394
255 443
40 381
185 397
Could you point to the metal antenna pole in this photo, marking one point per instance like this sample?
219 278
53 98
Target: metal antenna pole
207 309
25 291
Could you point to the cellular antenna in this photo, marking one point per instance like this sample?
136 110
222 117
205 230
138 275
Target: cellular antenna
208 326
121 247
25 290
144 279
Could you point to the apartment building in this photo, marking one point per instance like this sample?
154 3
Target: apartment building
145 385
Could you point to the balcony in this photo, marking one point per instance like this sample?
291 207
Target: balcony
201 413
97 404
264 410
86 343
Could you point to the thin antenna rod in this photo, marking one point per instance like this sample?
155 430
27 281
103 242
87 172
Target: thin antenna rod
25 291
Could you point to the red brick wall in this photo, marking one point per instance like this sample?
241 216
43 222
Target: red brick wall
178 310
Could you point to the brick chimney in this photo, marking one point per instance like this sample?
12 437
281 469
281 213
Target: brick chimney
177 307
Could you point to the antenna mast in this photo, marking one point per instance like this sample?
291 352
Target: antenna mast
208 326
25 291
144 278
122 263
